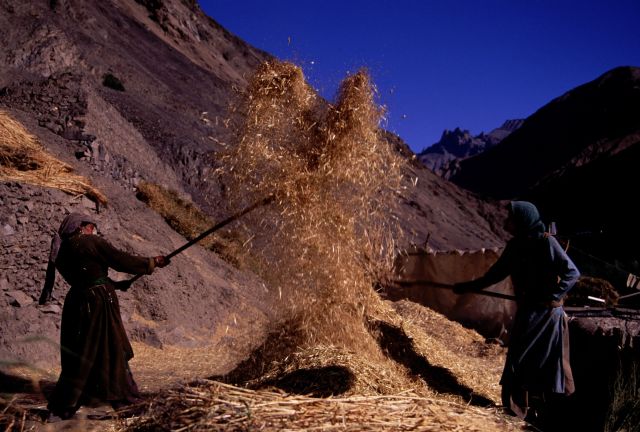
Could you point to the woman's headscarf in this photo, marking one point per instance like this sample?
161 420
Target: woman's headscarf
69 225
526 219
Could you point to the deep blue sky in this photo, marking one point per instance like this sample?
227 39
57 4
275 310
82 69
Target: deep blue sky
444 64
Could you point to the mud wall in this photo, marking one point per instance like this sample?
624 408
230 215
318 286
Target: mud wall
491 317
605 359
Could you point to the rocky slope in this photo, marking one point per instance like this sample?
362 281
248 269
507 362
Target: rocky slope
125 91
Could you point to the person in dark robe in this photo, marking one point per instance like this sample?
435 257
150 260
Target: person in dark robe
537 367
94 347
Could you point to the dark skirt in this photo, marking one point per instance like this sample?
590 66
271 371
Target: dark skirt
537 362
94 351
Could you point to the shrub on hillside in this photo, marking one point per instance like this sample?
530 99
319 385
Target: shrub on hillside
112 82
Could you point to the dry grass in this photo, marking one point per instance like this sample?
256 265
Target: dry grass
322 246
589 286
217 406
20 385
155 369
337 378
287 360
461 351
188 220
12 416
294 387
334 376
23 159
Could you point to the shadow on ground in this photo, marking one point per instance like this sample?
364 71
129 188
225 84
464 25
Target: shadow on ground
16 384
317 382
399 347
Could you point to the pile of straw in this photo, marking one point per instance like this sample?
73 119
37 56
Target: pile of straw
464 354
23 159
590 286
348 391
288 361
322 246
330 234
216 406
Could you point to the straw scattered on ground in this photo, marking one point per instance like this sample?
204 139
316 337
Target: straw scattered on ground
328 387
12 416
335 378
23 159
217 406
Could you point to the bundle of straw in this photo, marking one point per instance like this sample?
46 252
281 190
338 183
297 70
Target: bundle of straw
23 159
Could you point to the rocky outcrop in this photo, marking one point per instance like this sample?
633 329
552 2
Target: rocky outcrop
58 102
443 157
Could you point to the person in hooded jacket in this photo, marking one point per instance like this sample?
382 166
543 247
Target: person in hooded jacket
94 347
537 367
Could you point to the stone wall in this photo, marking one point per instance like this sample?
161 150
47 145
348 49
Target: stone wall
28 217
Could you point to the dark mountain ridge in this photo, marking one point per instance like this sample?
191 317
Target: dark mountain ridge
443 157
575 158
600 113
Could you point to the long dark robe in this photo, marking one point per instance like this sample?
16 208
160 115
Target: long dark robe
538 358
542 273
94 346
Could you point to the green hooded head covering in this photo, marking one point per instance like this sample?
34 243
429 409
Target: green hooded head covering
526 219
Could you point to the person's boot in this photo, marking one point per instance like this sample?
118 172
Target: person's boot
54 417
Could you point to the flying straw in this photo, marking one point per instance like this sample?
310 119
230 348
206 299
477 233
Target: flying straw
329 237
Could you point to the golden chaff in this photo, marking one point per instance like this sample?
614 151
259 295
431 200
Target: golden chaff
328 238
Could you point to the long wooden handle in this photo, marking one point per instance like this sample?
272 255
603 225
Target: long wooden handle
214 228
431 284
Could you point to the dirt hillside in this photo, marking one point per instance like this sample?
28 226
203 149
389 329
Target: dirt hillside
179 72
131 92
